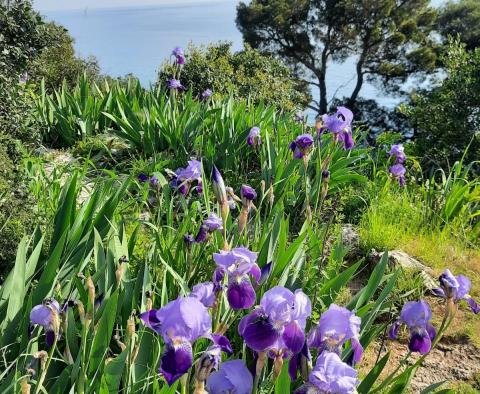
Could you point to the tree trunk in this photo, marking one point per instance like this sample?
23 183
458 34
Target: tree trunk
322 83
358 85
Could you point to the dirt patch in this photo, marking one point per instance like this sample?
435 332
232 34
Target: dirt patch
448 362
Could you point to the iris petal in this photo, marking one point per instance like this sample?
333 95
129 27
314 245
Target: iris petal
473 305
259 335
241 295
176 361
293 337
420 342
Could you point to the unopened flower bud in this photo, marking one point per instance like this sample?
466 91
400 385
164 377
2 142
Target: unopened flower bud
25 386
90 290
130 327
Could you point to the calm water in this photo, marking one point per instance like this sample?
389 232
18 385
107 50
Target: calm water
137 40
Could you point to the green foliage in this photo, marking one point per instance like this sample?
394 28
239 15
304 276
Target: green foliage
16 210
461 18
57 61
246 74
69 115
22 39
446 118
21 34
390 39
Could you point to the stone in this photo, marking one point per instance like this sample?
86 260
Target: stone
401 259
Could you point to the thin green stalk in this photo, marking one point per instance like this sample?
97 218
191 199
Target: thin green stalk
47 364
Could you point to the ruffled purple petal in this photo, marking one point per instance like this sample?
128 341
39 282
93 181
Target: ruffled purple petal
348 141
438 292
420 342
241 295
259 334
41 315
223 342
49 338
176 361
393 332
294 366
432 332
357 350
293 337
151 320
473 305
256 273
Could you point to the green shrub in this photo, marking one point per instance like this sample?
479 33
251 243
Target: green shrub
247 73
16 218
446 119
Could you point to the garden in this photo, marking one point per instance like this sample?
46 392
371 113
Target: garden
183 239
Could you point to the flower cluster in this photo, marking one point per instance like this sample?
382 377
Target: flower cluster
254 136
185 177
416 315
340 125
456 288
180 323
397 170
179 56
153 180
301 146
238 265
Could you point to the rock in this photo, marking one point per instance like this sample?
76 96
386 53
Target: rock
350 237
401 259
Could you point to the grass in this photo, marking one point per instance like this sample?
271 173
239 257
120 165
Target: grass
396 222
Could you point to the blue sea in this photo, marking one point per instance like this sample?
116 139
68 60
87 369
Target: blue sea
138 39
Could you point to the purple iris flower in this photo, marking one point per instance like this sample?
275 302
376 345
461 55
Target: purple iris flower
211 358
179 55
337 325
181 322
398 172
330 375
47 316
277 326
154 181
143 177
347 138
186 176
189 240
254 136
206 94
204 292
232 377
248 193
238 264
301 146
416 315
211 224
339 122
457 288
175 84
397 151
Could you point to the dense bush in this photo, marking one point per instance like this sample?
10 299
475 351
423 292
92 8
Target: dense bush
16 209
247 73
22 39
446 119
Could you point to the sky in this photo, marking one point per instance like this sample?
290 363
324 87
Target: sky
48 5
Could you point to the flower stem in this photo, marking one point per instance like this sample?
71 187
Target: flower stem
47 364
